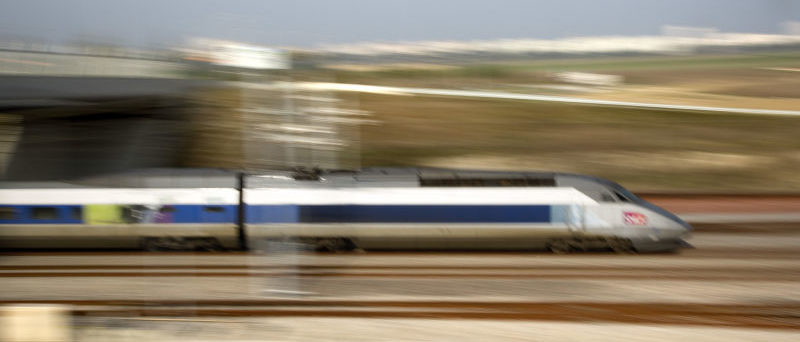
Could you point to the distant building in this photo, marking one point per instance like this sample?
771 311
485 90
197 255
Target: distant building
589 78
237 55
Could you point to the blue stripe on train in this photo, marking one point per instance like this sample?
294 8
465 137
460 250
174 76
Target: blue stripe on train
47 214
398 213
193 213
75 214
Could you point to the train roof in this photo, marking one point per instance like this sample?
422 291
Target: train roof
372 176
431 172
417 172
414 177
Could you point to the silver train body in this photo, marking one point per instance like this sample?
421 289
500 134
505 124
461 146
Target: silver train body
378 208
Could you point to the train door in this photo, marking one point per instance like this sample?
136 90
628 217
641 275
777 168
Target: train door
575 219
604 218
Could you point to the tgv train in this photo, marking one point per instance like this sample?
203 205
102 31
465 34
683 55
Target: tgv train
376 208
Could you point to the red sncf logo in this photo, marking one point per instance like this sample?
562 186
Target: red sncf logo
634 219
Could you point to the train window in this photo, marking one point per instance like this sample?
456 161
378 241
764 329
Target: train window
166 209
44 213
214 209
621 198
7 213
606 197
76 213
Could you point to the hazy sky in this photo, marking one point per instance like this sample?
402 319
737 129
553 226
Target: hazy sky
310 23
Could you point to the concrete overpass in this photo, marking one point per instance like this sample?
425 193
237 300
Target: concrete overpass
66 115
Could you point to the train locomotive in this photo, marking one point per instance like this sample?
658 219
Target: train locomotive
373 208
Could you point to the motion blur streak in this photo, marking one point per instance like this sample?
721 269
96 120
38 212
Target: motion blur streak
513 96
457 170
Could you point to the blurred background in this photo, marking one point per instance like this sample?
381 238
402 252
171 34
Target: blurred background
694 104
678 96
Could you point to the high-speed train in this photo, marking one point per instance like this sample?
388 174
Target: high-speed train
374 208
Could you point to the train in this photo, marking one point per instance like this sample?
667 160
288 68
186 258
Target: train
336 210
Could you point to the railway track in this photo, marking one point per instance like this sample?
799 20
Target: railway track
738 273
739 276
772 316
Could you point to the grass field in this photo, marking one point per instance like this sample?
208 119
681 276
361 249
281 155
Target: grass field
511 69
646 150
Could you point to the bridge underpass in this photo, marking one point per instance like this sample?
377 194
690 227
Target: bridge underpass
67 113
72 127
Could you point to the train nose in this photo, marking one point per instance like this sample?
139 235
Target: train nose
683 224
677 226
680 229
680 223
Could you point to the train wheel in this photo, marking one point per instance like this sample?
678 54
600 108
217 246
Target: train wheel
578 244
207 245
333 245
559 246
164 244
151 245
621 246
